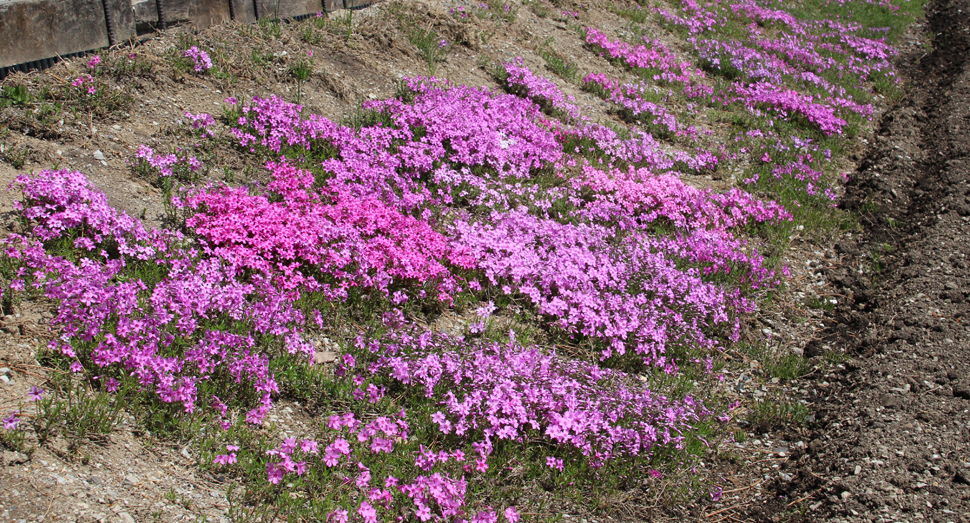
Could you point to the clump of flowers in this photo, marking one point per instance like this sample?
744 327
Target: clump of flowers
200 58
665 66
431 485
202 122
789 101
109 321
594 281
179 166
325 241
489 392
541 90
648 197
85 79
630 97
506 133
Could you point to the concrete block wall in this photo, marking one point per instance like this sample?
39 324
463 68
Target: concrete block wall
35 29
202 13
36 33
287 8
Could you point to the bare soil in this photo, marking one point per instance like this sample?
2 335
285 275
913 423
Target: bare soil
892 436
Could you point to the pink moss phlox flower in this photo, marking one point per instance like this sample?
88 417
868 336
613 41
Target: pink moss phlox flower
485 516
62 204
656 57
367 512
347 241
11 421
225 459
511 515
511 392
309 446
200 58
35 393
554 463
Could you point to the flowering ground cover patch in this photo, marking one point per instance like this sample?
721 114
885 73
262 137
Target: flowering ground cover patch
462 164
619 277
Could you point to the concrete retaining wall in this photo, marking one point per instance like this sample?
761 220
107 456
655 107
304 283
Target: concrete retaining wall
35 29
202 13
35 33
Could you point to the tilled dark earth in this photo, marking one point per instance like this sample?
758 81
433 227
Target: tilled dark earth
892 441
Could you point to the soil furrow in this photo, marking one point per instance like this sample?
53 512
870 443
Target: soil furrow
893 436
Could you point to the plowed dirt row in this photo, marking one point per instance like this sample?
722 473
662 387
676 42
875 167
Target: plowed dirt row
893 440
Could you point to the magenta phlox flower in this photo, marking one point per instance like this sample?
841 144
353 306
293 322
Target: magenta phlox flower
275 473
331 457
367 512
200 59
11 421
508 391
338 448
511 515
555 463
352 242
309 446
382 445
225 459
35 393
485 516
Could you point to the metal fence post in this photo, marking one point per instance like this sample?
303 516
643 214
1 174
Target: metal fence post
160 4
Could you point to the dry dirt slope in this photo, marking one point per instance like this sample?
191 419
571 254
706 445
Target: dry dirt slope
131 475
